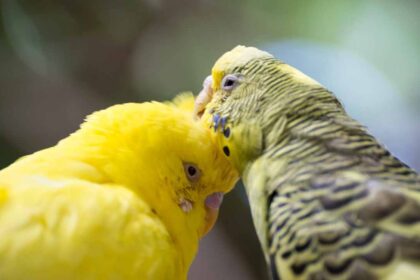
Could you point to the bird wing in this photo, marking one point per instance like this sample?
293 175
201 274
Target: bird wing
344 225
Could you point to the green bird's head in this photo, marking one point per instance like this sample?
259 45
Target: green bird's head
254 98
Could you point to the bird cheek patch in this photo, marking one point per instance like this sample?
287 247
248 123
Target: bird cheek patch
216 121
220 122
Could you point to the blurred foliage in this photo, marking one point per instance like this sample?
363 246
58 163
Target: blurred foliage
61 60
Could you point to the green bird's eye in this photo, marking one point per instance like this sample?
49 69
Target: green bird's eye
229 82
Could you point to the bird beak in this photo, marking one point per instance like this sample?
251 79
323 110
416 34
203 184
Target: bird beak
212 204
203 98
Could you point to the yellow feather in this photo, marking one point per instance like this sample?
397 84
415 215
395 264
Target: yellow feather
104 202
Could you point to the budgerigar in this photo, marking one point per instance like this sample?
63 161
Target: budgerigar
328 201
127 196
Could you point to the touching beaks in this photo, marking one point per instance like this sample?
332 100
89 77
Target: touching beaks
203 98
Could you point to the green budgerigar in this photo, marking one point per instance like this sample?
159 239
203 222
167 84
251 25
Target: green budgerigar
328 201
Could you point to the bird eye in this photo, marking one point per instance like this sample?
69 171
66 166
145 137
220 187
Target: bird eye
229 82
192 172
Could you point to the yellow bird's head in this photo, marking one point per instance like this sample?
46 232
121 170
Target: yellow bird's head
159 151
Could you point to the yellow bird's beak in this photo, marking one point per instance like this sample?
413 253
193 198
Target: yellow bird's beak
212 203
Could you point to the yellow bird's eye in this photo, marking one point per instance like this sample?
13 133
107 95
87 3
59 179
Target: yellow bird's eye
192 172
229 82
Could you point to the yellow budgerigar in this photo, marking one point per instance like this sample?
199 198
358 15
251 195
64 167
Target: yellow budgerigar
127 196
327 199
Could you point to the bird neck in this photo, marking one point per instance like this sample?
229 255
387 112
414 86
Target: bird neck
273 120
332 143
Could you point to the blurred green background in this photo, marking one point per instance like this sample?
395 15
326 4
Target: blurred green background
61 60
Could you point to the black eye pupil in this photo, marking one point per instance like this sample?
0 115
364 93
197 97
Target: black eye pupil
191 171
229 83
